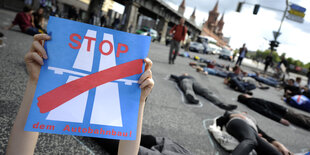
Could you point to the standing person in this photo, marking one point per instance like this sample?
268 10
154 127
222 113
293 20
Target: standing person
268 62
54 9
103 21
72 14
25 21
282 68
116 23
242 53
178 31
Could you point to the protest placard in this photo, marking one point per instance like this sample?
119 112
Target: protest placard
88 86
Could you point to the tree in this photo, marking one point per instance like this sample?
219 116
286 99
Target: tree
298 63
307 65
290 60
275 57
283 55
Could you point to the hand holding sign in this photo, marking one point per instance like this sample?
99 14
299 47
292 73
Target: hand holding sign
146 80
33 58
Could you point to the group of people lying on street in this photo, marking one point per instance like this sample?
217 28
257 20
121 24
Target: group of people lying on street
295 94
241 81
242 126
212 68
190 87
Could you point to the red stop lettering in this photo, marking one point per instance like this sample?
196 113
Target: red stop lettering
89 42
75 41
110 50
119 49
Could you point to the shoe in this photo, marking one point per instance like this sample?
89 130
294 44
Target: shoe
249 93
190 98
263 87
228 107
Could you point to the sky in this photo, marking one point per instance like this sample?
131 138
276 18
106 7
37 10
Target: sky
256 30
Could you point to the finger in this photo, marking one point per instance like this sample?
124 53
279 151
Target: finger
147 83
41 37
39 48
145 75
35 57
148 63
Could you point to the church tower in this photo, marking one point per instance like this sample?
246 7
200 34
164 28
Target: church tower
193 16
181 9
211 22
220 25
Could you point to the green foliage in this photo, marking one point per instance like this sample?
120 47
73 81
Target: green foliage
307 65
261 55
290 60
298 63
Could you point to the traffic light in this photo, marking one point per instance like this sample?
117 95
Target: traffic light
256 8
239 7
273 44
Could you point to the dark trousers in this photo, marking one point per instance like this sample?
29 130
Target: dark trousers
189 86
266 67
239 61
249 139
298 119
32 31
175 46
266 81
240 85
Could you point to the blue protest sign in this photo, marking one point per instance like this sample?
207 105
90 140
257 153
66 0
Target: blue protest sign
88 86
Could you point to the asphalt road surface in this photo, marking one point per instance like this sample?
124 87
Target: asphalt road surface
166 115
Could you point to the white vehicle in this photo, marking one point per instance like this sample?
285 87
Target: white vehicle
226 54
196 47
148 32
214 49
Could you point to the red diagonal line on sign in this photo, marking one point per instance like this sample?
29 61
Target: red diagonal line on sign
298 99
66 92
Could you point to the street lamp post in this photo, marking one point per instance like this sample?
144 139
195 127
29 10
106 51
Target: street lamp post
274 43
283 17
